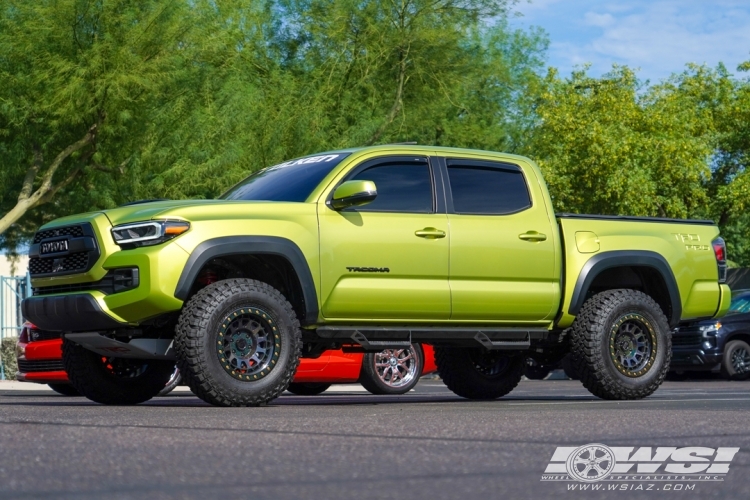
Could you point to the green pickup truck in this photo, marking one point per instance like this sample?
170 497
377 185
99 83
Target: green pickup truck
369 249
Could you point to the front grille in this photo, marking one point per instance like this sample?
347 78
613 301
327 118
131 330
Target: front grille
82 254
115 281
75 262
688 339
74 231
46 365
36 335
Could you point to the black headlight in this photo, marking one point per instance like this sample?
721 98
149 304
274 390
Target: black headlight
142 234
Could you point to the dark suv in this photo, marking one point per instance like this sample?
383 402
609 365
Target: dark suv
713 345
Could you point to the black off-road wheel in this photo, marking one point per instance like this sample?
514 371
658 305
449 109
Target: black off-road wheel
114 381
476 373
621 347
238 343
64 389
392 371
735 363
307 388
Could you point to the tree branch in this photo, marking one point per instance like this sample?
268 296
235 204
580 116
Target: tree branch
52 192
397 102
46 191
62 156
28 181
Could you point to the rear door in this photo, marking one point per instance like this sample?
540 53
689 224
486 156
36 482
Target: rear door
502 251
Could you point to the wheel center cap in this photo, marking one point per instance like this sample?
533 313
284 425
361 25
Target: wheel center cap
241 344
393 361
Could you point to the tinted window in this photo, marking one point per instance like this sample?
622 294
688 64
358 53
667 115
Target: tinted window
484 188
402 187
740 304
292 180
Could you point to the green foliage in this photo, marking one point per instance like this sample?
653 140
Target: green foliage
8 358
317 75
609 147
84 82
181 98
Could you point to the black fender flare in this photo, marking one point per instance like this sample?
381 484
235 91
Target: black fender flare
626 258
249 245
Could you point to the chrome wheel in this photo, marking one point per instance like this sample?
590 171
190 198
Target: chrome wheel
174 381
741 360
632 345
396 367
175 378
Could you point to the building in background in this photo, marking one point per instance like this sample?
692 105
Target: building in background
16 267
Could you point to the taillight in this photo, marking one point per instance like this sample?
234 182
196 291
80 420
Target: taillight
720 251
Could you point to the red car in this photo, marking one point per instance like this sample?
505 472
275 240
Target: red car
392 371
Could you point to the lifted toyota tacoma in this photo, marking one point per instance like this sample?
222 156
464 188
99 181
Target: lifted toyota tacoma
369 249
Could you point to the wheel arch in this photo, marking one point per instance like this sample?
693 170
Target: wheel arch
289 261
738 335
638 269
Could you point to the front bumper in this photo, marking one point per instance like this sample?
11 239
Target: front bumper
82 302
695 359
41 362
74 312
51 377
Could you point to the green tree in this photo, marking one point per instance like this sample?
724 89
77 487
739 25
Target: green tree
610 146
82 83
723 103
313 75
113 100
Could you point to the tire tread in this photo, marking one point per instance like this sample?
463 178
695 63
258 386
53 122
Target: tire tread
194 322
589 331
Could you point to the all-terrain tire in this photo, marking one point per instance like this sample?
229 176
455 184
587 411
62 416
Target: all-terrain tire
410 363
568 367
601 345
114 381
475 373
64 389
307 388
206 356
735 362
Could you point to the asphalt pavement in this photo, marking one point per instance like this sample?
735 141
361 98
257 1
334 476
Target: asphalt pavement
348 444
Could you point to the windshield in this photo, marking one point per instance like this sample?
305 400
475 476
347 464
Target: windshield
292 180
740 304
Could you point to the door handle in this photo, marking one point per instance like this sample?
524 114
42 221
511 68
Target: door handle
532 236
430 233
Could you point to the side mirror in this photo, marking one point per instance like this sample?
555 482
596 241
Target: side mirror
353 194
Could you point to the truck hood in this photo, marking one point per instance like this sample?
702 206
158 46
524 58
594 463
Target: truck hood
150 210
146 211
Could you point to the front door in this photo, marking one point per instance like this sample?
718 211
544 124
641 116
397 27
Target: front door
387 260
503 245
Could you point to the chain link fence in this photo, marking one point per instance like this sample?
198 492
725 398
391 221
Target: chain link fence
13 289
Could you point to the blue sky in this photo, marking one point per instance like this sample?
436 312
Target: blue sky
657 36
